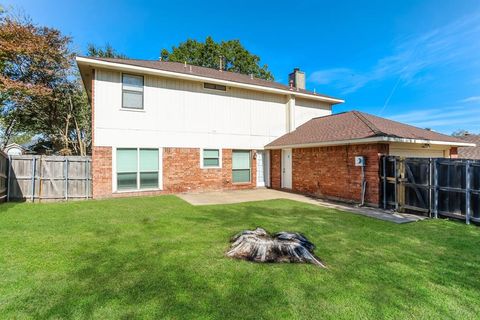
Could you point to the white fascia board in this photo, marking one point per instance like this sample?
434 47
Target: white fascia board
373 140
192 77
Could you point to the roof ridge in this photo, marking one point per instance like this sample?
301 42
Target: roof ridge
368 123
183 63
212 73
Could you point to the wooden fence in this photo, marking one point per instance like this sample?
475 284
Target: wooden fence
3 176
49 178
432 186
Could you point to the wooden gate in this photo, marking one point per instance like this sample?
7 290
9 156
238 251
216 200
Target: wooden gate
432 186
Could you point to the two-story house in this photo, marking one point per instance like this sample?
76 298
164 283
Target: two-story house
166 127
172 127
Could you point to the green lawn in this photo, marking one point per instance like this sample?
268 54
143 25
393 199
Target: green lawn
159 257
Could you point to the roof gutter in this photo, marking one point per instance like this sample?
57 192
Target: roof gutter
170 74
372 140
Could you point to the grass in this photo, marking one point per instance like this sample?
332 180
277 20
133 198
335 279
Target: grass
159 257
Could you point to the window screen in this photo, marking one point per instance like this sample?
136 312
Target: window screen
211 158
137 169
240 166
148 168
132 91
126 169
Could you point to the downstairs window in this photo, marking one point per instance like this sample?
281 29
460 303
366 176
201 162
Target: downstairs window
137 169
241 166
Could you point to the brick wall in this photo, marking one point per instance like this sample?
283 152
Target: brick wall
275 169
181 173
330 172
102 172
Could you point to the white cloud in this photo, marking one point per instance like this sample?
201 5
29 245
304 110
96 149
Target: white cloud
457 41
446 119
470 99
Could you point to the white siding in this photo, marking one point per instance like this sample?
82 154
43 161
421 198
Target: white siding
179 113
416 151
307 109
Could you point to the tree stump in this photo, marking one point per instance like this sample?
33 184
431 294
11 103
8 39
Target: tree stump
259 246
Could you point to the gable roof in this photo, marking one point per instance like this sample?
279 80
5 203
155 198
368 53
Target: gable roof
358 127
470 152
201 73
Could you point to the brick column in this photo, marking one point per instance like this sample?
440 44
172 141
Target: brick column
102 172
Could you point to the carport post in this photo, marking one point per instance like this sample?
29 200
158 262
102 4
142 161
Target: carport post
467 192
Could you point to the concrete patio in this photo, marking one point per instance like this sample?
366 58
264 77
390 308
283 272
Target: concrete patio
238 196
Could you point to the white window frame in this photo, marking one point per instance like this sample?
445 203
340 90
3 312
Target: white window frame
138 189
220 153
122 107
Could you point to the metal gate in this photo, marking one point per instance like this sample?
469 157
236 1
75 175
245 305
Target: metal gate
432 186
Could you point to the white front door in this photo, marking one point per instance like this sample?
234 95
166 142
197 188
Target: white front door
263 169
287 168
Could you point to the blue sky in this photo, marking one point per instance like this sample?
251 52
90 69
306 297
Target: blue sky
411 61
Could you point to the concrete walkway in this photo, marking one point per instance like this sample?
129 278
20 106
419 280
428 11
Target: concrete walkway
228 197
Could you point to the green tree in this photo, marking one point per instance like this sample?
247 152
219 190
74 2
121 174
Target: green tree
106 52
227 55
39 90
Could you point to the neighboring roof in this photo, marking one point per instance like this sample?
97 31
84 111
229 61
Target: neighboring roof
215 74
358 127
14 145
470 152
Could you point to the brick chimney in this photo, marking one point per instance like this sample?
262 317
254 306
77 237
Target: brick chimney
297 79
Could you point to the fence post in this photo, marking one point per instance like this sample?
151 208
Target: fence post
396 182
430 182
33 178
86 178
384 177
9 177
65 174
435 188
467 192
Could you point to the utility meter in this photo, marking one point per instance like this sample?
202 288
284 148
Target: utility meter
360 161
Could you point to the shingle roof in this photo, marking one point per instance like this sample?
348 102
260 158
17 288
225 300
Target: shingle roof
354 125
470 152
208 73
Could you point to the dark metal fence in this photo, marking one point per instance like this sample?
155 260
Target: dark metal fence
432 186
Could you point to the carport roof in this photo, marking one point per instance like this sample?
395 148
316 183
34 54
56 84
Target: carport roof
359 127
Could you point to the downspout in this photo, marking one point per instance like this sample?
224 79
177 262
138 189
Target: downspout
364 187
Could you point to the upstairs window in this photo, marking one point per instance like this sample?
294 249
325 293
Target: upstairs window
132 91
211 158
213 86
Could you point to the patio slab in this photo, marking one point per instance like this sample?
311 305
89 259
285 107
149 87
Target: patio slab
260 194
